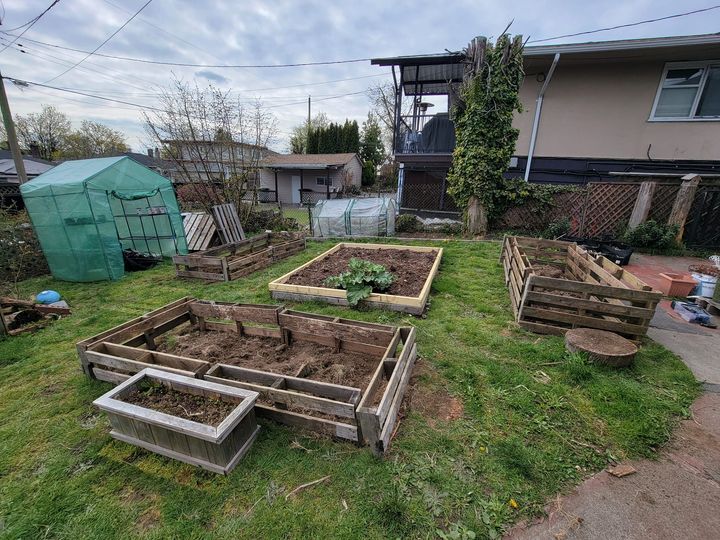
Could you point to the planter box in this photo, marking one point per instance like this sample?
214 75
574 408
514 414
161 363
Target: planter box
237 259
280 289
677 284
217 449
596 293
361 415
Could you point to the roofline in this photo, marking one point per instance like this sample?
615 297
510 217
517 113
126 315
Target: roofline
568 48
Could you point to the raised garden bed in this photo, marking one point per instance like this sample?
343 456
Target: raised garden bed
414 268
198 422
237 259
555 286
334 376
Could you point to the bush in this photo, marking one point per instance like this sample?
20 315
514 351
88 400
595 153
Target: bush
192 197
408 223
557 228
651 234
268 220
20 254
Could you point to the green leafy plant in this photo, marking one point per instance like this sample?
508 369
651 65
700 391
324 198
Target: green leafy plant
651 234
557 228
361 279
408 223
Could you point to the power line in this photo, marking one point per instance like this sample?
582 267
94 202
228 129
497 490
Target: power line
28 25
627 25
116 32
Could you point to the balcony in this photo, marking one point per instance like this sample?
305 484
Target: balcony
425 134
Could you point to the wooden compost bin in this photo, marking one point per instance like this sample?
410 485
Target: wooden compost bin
280 289
363 415
593 293
215 448
237 259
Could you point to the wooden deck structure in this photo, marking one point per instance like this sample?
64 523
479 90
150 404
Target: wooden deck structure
237 259
366 416
281 290
593 293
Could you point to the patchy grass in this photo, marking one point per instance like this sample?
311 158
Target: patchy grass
531 421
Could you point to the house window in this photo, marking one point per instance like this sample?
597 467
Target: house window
321 181
688 91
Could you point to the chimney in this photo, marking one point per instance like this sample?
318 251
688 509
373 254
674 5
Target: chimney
150 152
157 153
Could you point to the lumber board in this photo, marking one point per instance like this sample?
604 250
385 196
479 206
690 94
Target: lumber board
393 385
343 331
261 314
311 423
389 426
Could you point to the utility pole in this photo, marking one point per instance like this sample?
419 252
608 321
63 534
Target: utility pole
11 135
307 131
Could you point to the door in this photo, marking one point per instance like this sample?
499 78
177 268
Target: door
295 189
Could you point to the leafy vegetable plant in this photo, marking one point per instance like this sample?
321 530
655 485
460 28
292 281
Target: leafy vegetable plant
361 279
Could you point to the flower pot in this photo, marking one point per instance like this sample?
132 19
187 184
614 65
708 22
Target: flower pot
677 284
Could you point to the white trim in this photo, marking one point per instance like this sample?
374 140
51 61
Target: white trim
705 65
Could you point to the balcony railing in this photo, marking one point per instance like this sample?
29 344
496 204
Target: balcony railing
425 134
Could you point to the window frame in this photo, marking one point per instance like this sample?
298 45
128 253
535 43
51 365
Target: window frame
706 65
324 181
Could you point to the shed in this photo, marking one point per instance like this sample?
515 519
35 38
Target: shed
86 212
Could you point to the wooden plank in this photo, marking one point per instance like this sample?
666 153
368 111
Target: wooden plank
589 305
642 204
340 330
311 423
228 222
409 349
108 376
595 290
585 322
160 358
683 203
262 314
131 366
389 426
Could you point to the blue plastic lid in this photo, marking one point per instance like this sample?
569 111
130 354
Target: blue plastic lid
47 297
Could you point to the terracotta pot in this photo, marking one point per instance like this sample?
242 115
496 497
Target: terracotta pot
677 284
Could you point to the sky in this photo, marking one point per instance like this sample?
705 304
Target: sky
278 32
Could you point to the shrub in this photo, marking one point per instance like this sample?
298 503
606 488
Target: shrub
20 254
408 223
451 228
268 220
557 228
651 234
194 196
361 279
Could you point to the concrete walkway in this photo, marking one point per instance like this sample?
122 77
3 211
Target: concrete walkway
675 496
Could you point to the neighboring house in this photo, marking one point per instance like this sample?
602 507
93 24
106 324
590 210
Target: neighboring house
295 178
153 161
212 160
635 105
9 183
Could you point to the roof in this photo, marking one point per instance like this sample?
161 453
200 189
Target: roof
32 167
7 154
149 161
430 74
307 161
120 174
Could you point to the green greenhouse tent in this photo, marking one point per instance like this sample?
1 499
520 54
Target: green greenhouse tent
86 212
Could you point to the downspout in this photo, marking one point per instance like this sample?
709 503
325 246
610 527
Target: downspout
538 110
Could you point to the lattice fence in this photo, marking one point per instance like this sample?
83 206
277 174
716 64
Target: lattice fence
427 196
608 208
534 216
662 202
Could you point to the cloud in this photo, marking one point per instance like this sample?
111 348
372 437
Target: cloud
212 76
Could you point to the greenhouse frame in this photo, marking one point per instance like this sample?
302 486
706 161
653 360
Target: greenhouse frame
86 212
372 216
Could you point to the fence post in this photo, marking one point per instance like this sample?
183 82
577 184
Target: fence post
683 203
643 202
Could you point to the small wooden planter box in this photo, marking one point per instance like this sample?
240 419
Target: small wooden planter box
217 449
362 415
280 289
596 293
232 261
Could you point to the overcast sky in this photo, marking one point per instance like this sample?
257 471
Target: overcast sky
274 32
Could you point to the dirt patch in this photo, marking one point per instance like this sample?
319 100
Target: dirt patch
188 406
428 395
410 268
301 358
548 270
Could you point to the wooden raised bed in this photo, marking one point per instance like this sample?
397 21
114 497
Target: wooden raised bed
215 448
362 415
591 292
280 289
237 259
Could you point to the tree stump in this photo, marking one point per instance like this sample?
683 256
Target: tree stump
602 347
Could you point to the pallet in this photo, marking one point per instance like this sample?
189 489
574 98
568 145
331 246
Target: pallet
709 305
8 306
200 231
228 223
355 414
415 305
596 293
237 259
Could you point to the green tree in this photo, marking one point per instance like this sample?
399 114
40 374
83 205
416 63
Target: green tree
334 138
93 139
485 136
45 131
299 137
372 150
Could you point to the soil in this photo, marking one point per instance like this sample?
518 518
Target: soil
428 395
200 409
547 270
301 358
410 268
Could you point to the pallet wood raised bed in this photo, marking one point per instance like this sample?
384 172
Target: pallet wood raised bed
282 290
589 292
367 416
238 259
215 448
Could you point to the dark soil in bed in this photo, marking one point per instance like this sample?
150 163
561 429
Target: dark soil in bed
410 268
301 358
159 397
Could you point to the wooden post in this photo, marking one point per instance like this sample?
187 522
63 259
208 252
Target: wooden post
683 203
327 184
276 188
11 135
642 204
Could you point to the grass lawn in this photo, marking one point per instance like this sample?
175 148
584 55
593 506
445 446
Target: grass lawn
528 421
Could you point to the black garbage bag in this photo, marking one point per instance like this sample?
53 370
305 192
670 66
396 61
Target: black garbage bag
136 261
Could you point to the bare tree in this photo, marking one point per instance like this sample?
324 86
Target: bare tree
382 105
216 142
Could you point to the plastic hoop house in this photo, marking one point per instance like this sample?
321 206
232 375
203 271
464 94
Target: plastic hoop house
86 212
372 216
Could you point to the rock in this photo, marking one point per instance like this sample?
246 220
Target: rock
280 348
622 470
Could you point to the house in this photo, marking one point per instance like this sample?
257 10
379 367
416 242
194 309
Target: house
153 161
9 183
213 160
589 109
296 178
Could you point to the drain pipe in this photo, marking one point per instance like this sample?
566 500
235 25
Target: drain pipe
538 109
